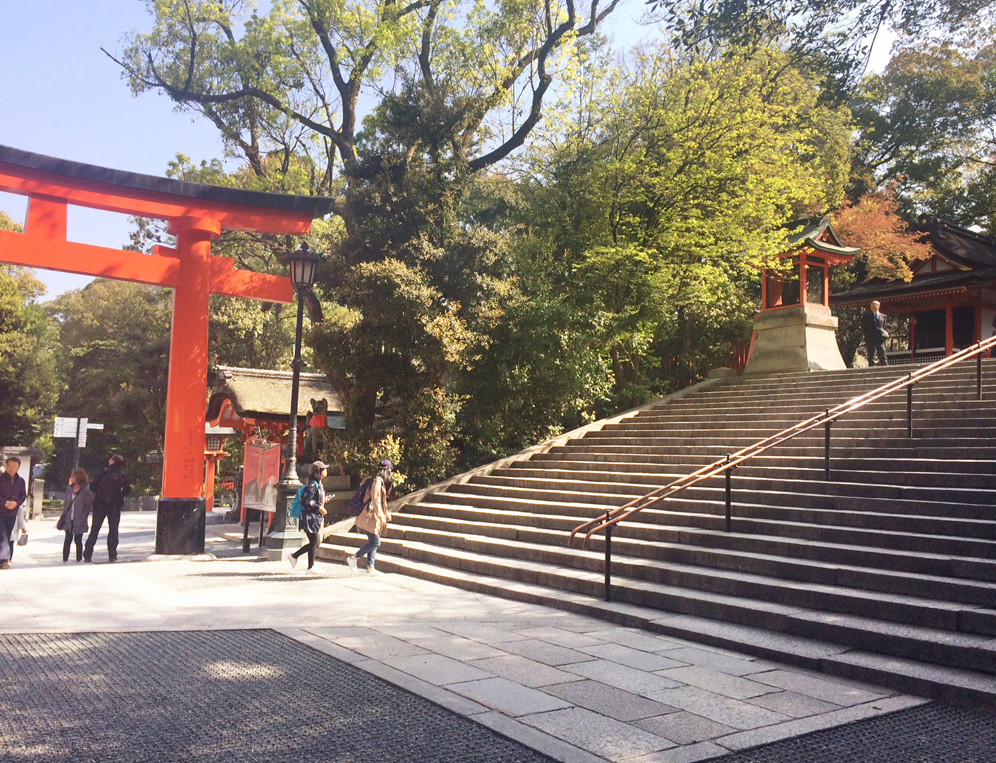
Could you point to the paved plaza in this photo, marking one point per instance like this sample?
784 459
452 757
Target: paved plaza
228 657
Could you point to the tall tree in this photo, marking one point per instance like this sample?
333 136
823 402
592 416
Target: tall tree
28 383
677 194
927 126
453 86
114 344
835 35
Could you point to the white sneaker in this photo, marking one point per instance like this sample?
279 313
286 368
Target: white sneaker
351 561
372 571
290 559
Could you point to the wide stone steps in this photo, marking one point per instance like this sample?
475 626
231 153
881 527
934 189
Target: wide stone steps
658 540
497 538
795 473
968 449
861 528
938 630
886 572
620 463
907 675
816 498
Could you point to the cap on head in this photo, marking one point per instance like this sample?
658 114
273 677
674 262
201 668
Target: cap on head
385 463
319 465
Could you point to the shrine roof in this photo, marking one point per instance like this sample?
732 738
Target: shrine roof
973 253
316 206
265 394
961 245
921 286
818 233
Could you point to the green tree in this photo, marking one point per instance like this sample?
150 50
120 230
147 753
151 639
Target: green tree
28 383
927 127
674 194
114 346
835 36
455 88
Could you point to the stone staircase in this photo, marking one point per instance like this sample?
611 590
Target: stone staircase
885 573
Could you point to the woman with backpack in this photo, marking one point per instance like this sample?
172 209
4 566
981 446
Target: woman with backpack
76 513
313 502
374 517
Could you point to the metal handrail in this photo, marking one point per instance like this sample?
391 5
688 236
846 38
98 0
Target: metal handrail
612 517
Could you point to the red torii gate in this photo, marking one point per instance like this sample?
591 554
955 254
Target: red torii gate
196 214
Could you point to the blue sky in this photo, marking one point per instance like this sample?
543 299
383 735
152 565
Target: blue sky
63 97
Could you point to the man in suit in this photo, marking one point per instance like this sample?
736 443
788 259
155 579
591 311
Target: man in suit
873 328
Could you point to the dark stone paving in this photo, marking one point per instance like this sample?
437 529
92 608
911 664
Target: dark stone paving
933 733
217 696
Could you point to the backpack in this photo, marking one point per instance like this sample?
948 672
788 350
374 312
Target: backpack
356 503
297 507
109 489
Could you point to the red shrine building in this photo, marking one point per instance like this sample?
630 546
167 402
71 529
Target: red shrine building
951 301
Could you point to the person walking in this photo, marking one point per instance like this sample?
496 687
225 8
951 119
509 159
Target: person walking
873 328
76 513
13 494
109 490
374 517
313 502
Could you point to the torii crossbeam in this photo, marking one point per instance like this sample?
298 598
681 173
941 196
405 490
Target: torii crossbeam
196 214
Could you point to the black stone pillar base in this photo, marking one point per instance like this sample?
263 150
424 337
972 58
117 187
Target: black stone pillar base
180 526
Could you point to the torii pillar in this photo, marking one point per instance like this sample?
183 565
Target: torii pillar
196 214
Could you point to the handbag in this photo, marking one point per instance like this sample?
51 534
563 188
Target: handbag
22 539
61 524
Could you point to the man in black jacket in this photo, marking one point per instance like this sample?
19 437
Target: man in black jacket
13 492
873 327
109 490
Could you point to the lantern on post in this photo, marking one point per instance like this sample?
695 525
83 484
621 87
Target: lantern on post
303 264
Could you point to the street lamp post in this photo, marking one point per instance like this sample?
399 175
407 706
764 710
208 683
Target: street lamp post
285 535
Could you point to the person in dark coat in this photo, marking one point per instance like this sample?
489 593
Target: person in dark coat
313 502
873 328
76 513
109 490
13 493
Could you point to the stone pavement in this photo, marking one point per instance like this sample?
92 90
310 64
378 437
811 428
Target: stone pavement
570 687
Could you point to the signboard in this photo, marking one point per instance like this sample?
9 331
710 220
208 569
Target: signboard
260 476
64 427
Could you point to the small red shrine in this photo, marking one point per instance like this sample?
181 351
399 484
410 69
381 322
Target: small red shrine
196 214
794 330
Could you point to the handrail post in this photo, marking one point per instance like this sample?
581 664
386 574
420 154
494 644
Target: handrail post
978 375
909 410
826 446
608 563
729 506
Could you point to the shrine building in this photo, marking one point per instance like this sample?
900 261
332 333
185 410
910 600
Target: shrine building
951 301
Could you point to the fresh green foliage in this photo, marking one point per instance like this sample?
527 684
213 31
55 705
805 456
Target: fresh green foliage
114 350
668 192
28 383
455 87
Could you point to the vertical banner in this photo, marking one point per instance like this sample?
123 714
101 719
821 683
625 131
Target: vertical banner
261 475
